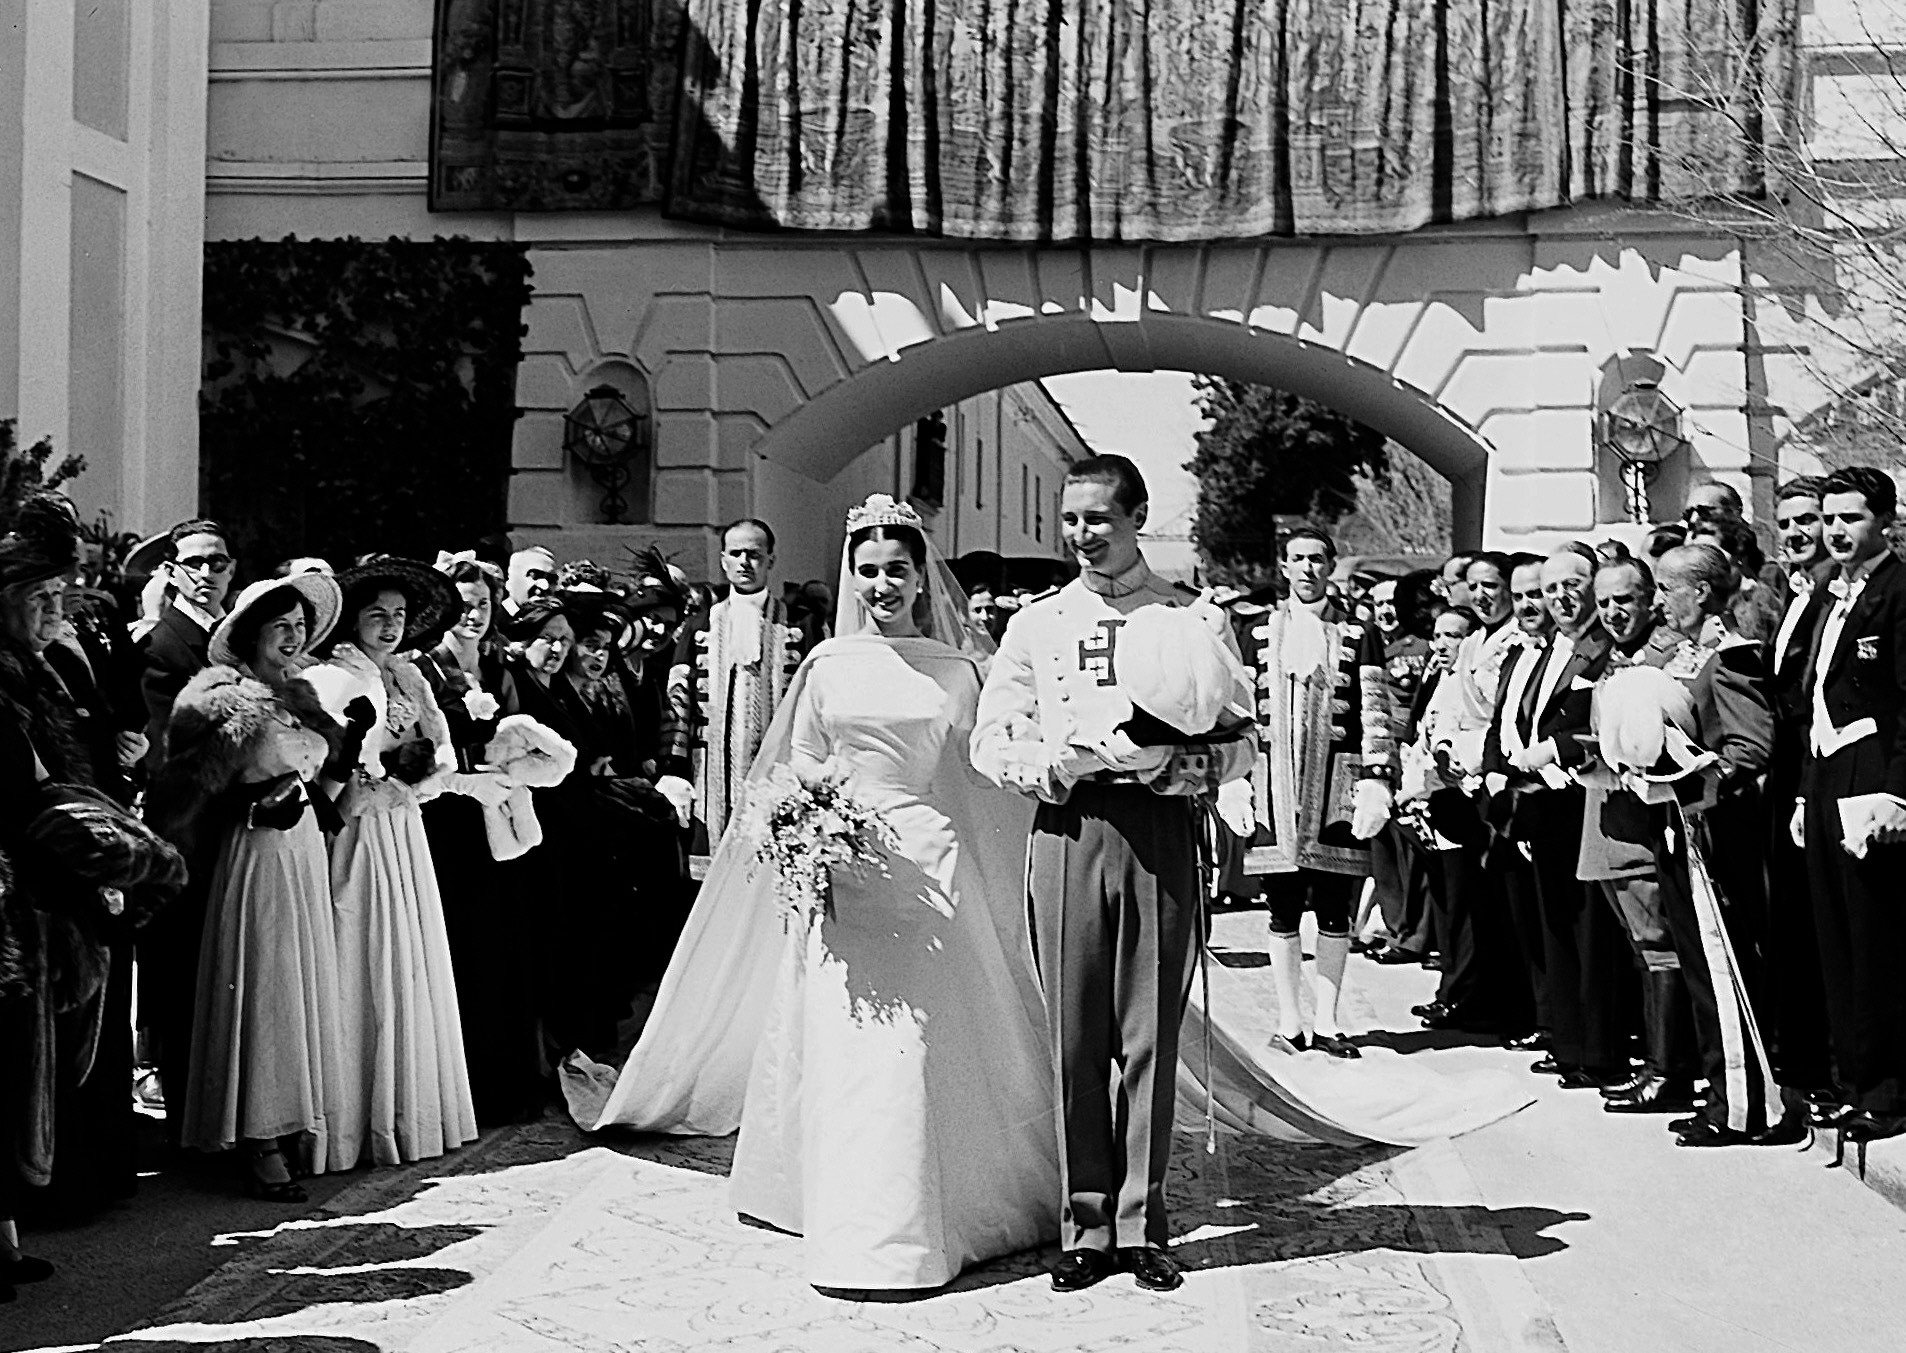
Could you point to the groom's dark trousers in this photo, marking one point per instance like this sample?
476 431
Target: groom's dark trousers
1114 909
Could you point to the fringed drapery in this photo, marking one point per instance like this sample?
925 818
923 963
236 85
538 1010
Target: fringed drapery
1100 119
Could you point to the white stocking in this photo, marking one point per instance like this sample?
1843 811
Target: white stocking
1287 972
1332 952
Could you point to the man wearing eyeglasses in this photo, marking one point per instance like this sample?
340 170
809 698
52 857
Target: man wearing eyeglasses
198 577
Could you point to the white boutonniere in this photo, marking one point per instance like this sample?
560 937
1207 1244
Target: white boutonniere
479 704
1867 648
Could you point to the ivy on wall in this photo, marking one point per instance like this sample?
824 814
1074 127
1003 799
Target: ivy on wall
358 396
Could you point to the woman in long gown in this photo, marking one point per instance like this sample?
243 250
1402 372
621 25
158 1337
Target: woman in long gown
898 1106
403 1056
246 737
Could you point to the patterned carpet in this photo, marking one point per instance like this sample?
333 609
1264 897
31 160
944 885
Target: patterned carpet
537 1239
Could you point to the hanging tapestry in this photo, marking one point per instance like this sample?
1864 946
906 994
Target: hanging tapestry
1062 120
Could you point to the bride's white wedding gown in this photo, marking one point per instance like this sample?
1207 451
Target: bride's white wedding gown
899 1114
898 1106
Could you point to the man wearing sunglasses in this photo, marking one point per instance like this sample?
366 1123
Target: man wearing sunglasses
1713 502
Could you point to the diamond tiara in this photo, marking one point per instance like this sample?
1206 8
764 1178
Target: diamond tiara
880 509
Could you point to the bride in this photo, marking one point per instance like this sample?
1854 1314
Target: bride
897 1110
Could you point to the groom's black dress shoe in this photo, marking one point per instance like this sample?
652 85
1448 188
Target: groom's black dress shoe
1154 1270
1079 1269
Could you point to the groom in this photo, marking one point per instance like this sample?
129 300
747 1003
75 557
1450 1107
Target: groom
1113 877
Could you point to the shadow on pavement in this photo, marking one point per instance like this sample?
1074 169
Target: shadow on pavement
272 1343
1408 1041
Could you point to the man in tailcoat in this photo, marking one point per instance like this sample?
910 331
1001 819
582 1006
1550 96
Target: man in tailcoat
1534 743
1797 1000
1851 814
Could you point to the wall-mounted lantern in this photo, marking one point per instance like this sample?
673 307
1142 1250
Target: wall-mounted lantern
610 439
1642 428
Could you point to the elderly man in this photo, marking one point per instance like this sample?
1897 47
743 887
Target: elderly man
532 574
1851 814
1721 813
1618 860
1534 744
732 665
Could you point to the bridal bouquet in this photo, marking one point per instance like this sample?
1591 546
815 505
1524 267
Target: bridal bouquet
807 827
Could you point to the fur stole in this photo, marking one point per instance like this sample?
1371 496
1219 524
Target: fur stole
30 695
216 723
349 673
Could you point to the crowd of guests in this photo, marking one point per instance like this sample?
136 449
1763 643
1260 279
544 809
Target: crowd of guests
351 856
354 855
1672 884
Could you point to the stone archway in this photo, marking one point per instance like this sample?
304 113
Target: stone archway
821 436
1478 348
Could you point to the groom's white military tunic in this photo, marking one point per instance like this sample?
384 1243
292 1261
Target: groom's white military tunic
1113 889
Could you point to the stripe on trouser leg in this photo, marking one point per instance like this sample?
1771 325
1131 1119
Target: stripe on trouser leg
1740 1036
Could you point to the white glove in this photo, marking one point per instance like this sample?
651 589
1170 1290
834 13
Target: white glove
1533 759
680 795
1369 808
487 787
1235 806
1797 825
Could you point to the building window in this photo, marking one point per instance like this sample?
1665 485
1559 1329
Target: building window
1025 501
979 472
929 459
1038 508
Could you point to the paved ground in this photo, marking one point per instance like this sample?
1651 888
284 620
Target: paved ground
1557 1228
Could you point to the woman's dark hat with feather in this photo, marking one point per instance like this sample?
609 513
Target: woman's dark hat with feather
41 541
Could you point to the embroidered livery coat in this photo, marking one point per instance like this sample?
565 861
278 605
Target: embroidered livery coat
722 700
1327 716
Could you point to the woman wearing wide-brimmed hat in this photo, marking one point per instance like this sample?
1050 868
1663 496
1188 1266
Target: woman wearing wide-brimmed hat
403 1038
247 739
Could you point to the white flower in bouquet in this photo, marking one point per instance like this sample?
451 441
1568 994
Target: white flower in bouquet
807 826
479 704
